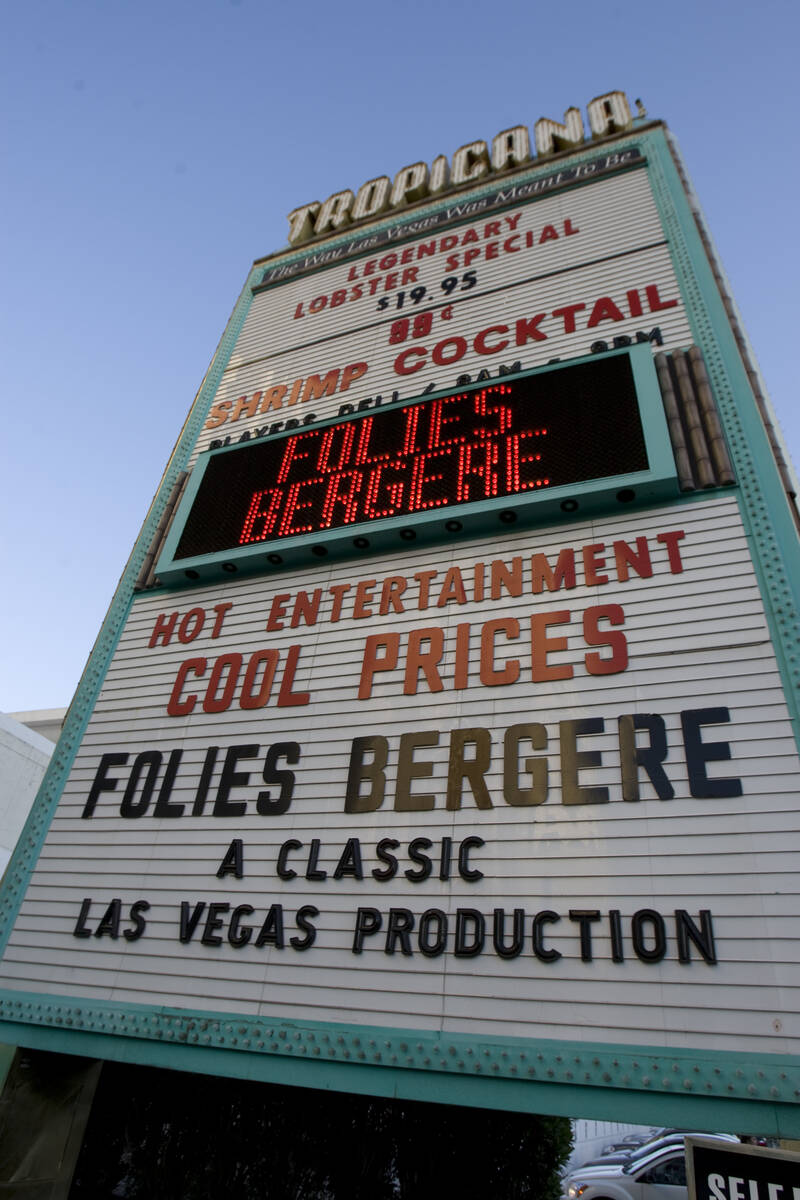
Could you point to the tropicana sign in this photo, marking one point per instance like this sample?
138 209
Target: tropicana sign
608 114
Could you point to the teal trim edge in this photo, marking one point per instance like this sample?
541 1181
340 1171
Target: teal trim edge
29 844
766 514
720 1089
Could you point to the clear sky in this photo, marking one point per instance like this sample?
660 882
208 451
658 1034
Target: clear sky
151 150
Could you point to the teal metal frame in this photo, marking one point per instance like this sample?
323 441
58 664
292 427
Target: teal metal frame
686 1086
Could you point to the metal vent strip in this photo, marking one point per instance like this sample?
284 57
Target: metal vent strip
147 577
695 429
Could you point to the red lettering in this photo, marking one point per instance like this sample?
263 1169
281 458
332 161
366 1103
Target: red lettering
593 563
286 697
568 313
402 364
490 675
670 540
352 373
593 636
420 659
277 611
222 611
654 300
480 340
163 628
419 479
374 661
255 512
542 645
543 575
191 624
393 493
293 506
232 663
528 330
459 349
250 698
176 707
604 310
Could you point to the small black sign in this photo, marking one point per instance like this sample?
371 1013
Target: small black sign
727 1171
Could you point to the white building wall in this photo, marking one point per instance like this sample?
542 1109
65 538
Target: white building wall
24 756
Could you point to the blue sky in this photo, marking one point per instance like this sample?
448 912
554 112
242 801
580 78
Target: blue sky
151 151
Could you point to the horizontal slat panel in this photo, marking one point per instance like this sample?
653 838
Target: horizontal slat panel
697 639
617 250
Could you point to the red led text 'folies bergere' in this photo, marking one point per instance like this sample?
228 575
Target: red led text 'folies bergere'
471 447
452 450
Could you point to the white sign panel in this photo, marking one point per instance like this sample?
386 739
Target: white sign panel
539 789
524 285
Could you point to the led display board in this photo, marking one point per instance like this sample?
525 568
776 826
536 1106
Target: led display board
431 467
411 762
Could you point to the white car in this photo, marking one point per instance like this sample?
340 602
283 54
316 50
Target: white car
635 1153
657 1176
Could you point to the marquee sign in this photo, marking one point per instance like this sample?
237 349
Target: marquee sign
441 738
